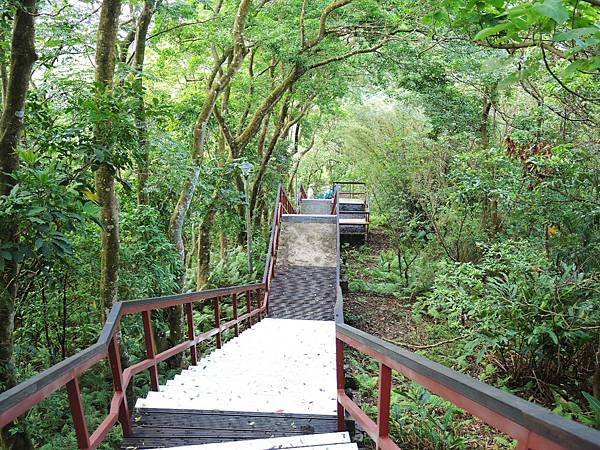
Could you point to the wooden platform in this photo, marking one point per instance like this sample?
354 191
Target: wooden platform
162 428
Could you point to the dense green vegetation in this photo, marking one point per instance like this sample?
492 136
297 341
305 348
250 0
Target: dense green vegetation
475 124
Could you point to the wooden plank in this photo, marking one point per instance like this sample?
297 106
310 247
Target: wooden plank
314 441
303 292
354 222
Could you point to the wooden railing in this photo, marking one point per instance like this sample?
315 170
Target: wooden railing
282 206
338 311
533 427
302 194
348 189
286 204
21 398
335 202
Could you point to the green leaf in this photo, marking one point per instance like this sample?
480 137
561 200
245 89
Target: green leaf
35 210
575 34
574 66
486 32
553 336
593 402
553 9
39 242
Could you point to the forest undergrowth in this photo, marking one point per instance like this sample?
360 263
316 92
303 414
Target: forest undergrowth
380 303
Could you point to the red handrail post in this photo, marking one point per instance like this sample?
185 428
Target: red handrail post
189 310
383 404
259 305
266 299
341 383
150 349
249 306
217 308
114 356
236 327
76 405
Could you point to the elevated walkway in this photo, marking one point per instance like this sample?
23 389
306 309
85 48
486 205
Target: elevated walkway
282 368
354 210
280 382
304 283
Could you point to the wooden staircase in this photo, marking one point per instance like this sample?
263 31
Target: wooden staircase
354 210
280 382
277 379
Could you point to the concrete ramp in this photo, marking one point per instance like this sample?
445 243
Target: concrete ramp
315 206
305 276
307 240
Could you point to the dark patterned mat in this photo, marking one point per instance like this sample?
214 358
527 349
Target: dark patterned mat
159 428
302 292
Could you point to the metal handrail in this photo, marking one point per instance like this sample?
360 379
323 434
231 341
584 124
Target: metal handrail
533 427
21 398
338 310
282 206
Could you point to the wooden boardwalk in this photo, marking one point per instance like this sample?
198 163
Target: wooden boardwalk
276 379
280 382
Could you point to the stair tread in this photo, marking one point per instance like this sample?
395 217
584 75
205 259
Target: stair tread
154 428
306 442
280 365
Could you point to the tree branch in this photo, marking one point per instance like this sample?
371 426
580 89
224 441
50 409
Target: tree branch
302 29
563 85
350 54
526 43
323 21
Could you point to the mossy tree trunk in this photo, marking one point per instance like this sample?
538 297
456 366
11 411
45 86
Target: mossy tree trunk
105 172
15 87
490 219
217 83
140 116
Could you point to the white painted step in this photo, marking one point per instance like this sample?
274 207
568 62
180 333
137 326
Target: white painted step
279 365
333 441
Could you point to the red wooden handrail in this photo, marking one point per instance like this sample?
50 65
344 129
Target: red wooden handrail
303 194
21 398
282 206
533 427
334 204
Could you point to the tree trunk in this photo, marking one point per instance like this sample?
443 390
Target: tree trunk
204 247
22 57
3 70
214 89
140 119
490 219
485 118
216 86
263 170
297 164
105 176
223 245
